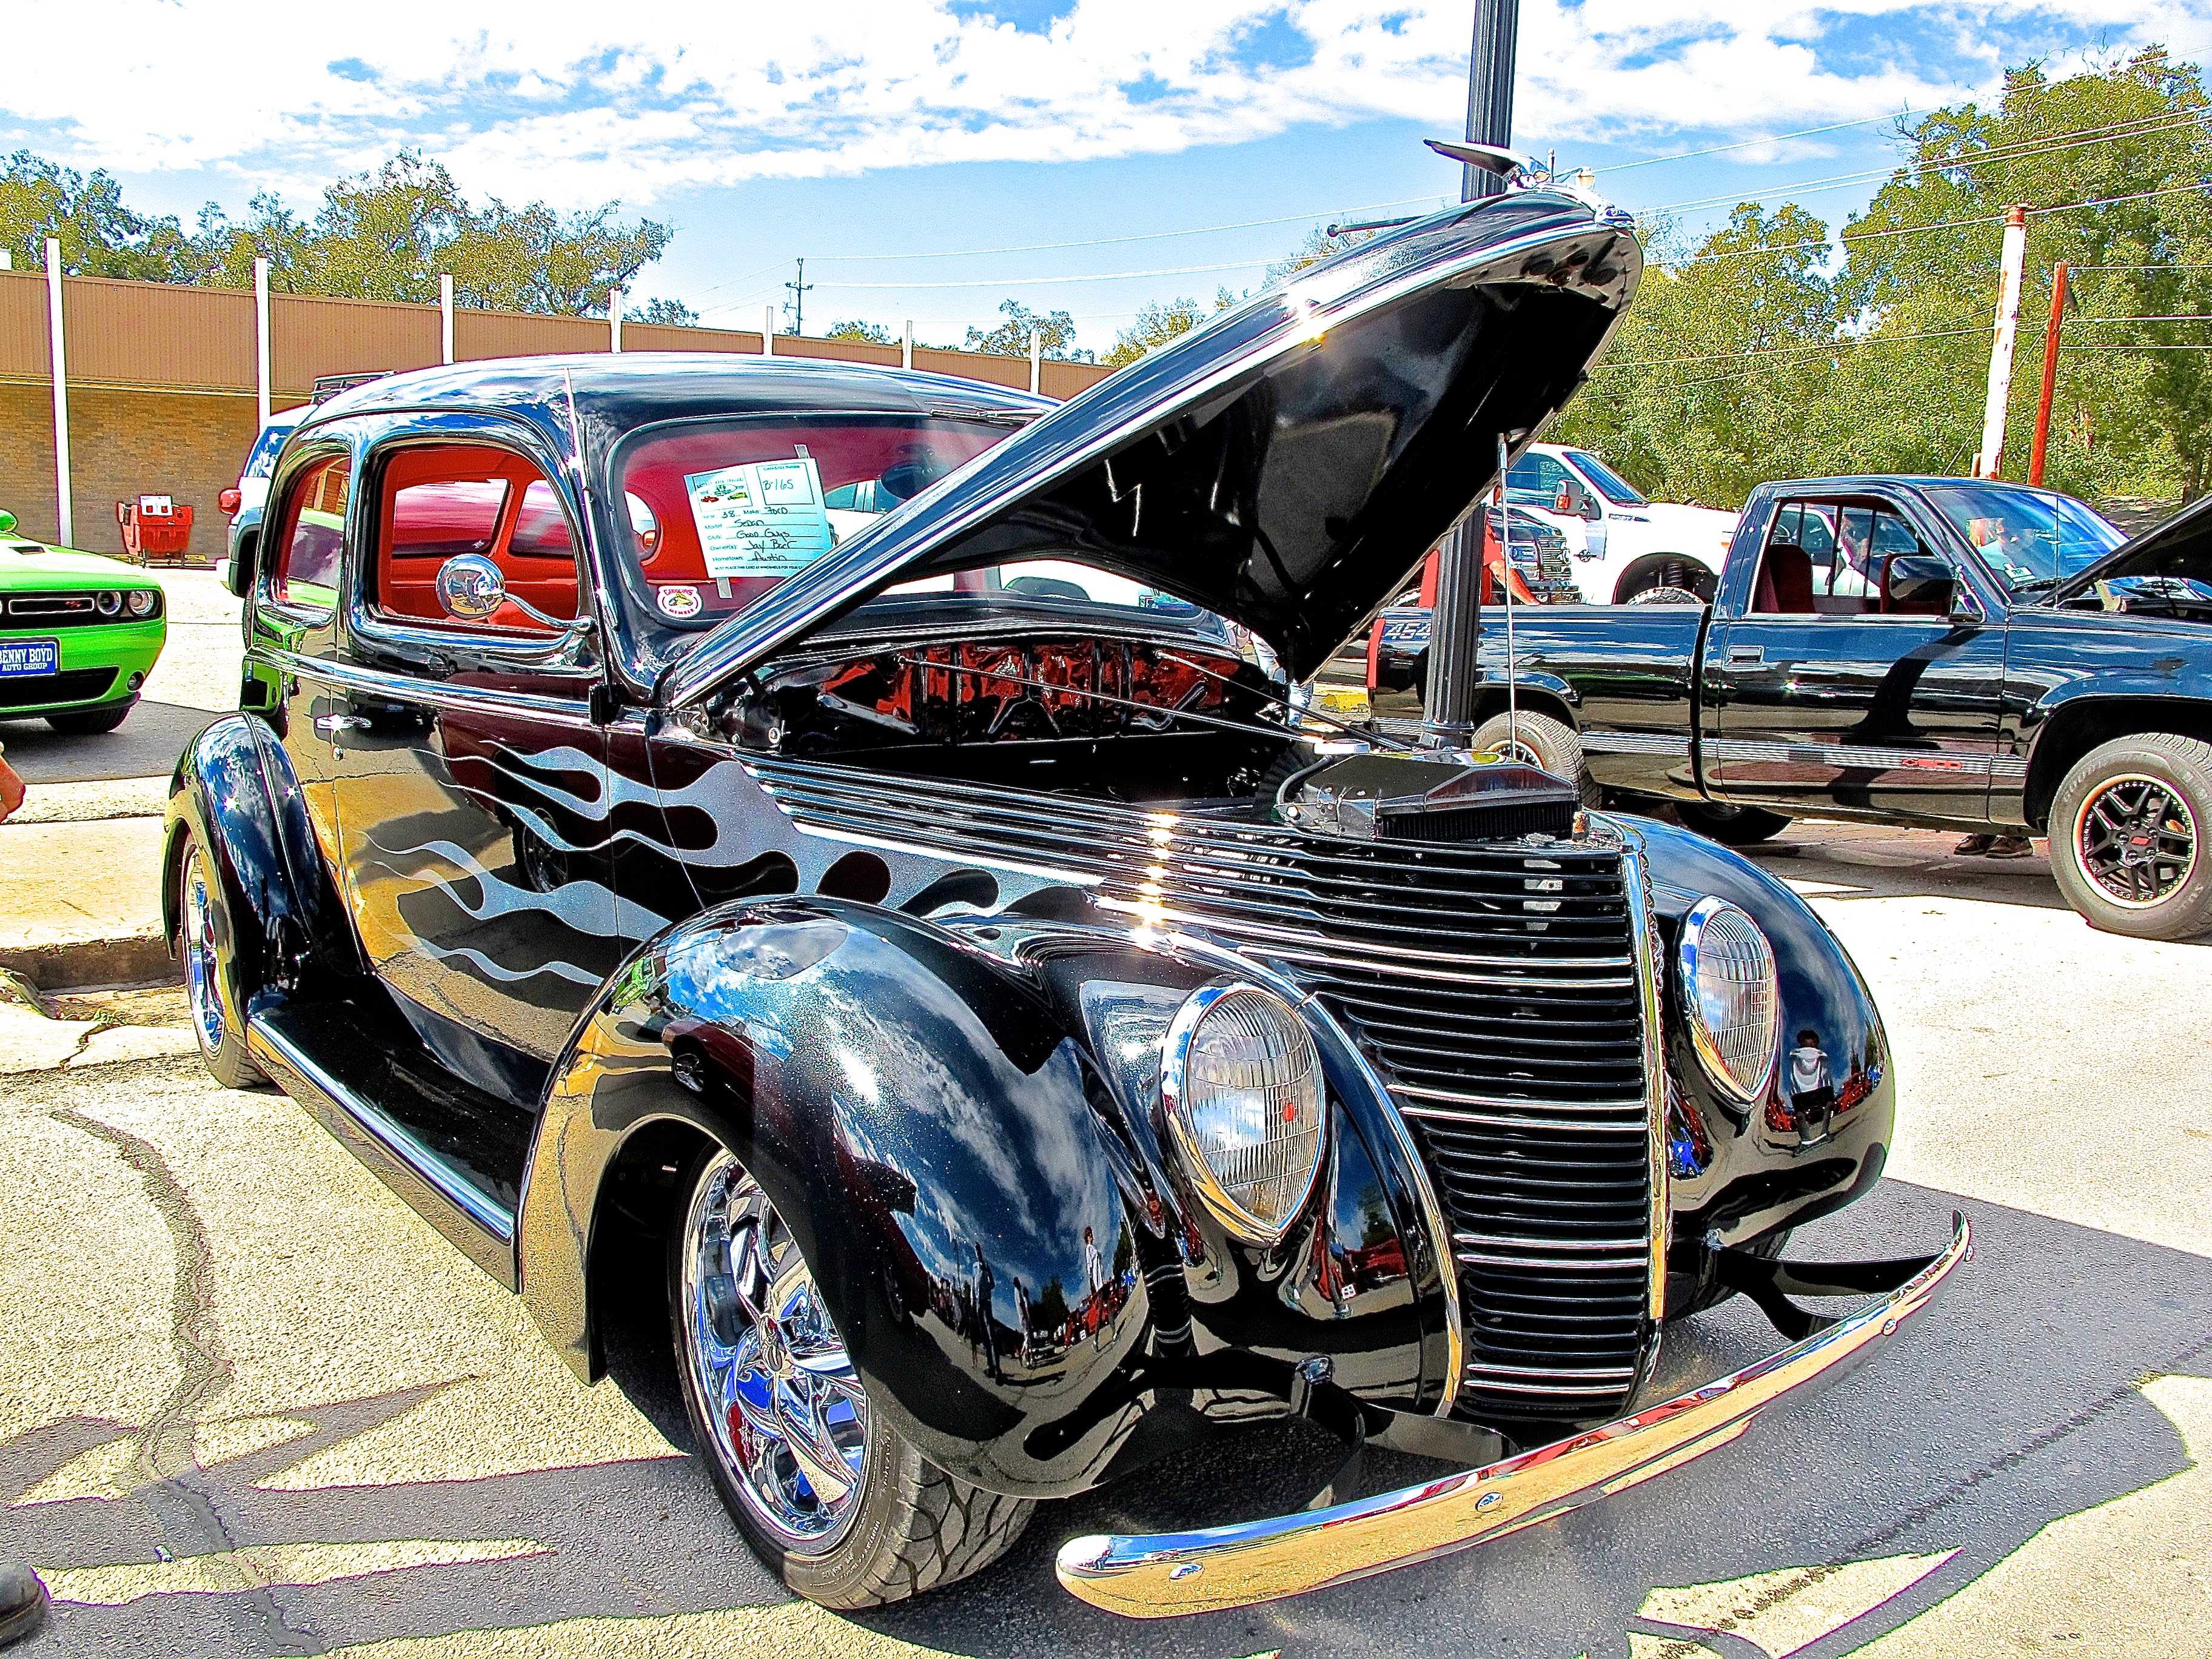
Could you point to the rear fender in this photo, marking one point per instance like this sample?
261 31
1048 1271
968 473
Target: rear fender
233 789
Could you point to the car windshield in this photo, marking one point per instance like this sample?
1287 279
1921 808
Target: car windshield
1610 484
2031 539
721 511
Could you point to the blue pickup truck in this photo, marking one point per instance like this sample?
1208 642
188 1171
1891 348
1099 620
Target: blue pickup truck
1951 652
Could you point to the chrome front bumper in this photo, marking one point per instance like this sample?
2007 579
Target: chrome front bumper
1172 1573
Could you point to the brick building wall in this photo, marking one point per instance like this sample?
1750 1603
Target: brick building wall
123 445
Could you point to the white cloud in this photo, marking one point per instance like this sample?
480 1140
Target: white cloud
578 104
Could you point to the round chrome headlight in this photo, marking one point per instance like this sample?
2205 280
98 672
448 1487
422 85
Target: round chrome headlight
1730 996
141 600
1241 1079
107 604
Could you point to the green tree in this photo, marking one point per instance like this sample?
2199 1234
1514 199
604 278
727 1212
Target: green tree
1749 358
1706 390
1011 338
100 236
1158 324
382 235
673 313
2136 420
868 333
1319 244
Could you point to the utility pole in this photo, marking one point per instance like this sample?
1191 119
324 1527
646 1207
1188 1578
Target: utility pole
1993 410
798 300
2049 372
1456 624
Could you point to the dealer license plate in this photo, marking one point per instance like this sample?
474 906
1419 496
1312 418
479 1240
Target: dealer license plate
21 659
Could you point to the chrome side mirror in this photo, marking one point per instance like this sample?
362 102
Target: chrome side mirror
472 588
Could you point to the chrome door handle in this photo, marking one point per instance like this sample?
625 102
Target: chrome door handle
1746 653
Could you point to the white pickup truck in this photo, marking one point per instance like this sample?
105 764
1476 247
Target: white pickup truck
1621 545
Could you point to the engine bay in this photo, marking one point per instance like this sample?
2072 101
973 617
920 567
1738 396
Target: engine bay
1092 714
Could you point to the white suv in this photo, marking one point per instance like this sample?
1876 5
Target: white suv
244 501
1622 545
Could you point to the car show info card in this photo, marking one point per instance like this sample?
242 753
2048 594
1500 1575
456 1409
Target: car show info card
760 519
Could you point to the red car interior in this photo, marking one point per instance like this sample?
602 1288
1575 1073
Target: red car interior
444 500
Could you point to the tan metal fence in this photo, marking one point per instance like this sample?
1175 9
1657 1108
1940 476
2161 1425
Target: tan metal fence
163 384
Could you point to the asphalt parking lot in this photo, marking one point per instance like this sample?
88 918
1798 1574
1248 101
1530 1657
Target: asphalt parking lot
254 1406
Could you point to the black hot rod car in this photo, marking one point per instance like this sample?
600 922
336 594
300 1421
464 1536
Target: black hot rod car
853 832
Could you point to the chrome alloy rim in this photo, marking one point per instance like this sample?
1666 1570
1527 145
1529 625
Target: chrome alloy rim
200 970
2136 839
1514 749
787 1410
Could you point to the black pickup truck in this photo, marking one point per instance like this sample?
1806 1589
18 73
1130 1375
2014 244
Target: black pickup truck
1951 652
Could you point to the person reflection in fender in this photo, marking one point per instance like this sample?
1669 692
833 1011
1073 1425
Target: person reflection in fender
986 1282
1811 1090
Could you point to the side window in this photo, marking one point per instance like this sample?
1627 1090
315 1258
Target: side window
1823 558
438 501
1535 481
1796 568
306 575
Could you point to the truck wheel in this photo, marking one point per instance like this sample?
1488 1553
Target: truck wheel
1731 826
1540 741
207 946
2127 833
1667 570
823 1487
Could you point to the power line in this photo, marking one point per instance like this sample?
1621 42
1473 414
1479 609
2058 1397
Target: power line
1032 282
1840 345
1849 237
1113 241
1773 139
1987 156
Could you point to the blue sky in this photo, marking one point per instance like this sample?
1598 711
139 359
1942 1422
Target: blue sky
917 152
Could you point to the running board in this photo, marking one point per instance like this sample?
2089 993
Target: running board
472 1220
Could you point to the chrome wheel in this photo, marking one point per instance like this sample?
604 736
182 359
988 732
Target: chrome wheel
788 1414
199 950
2135 837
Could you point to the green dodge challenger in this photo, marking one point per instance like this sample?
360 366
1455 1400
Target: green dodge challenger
78 634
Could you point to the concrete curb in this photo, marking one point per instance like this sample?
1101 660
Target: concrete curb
133 959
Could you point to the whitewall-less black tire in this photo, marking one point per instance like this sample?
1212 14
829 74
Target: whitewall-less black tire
2127 837
823 1487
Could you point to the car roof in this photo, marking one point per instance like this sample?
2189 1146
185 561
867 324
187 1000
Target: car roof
670 385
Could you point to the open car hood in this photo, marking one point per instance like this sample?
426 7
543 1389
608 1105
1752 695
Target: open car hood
1288 464
2180 547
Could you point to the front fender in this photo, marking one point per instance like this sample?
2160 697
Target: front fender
1737 1169
940 1143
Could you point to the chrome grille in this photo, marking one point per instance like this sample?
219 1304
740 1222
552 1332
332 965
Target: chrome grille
1496 987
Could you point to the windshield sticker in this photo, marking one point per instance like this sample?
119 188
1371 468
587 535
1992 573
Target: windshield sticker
763 519
680 602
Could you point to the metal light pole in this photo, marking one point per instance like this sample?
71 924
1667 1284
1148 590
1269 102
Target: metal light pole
1455 625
